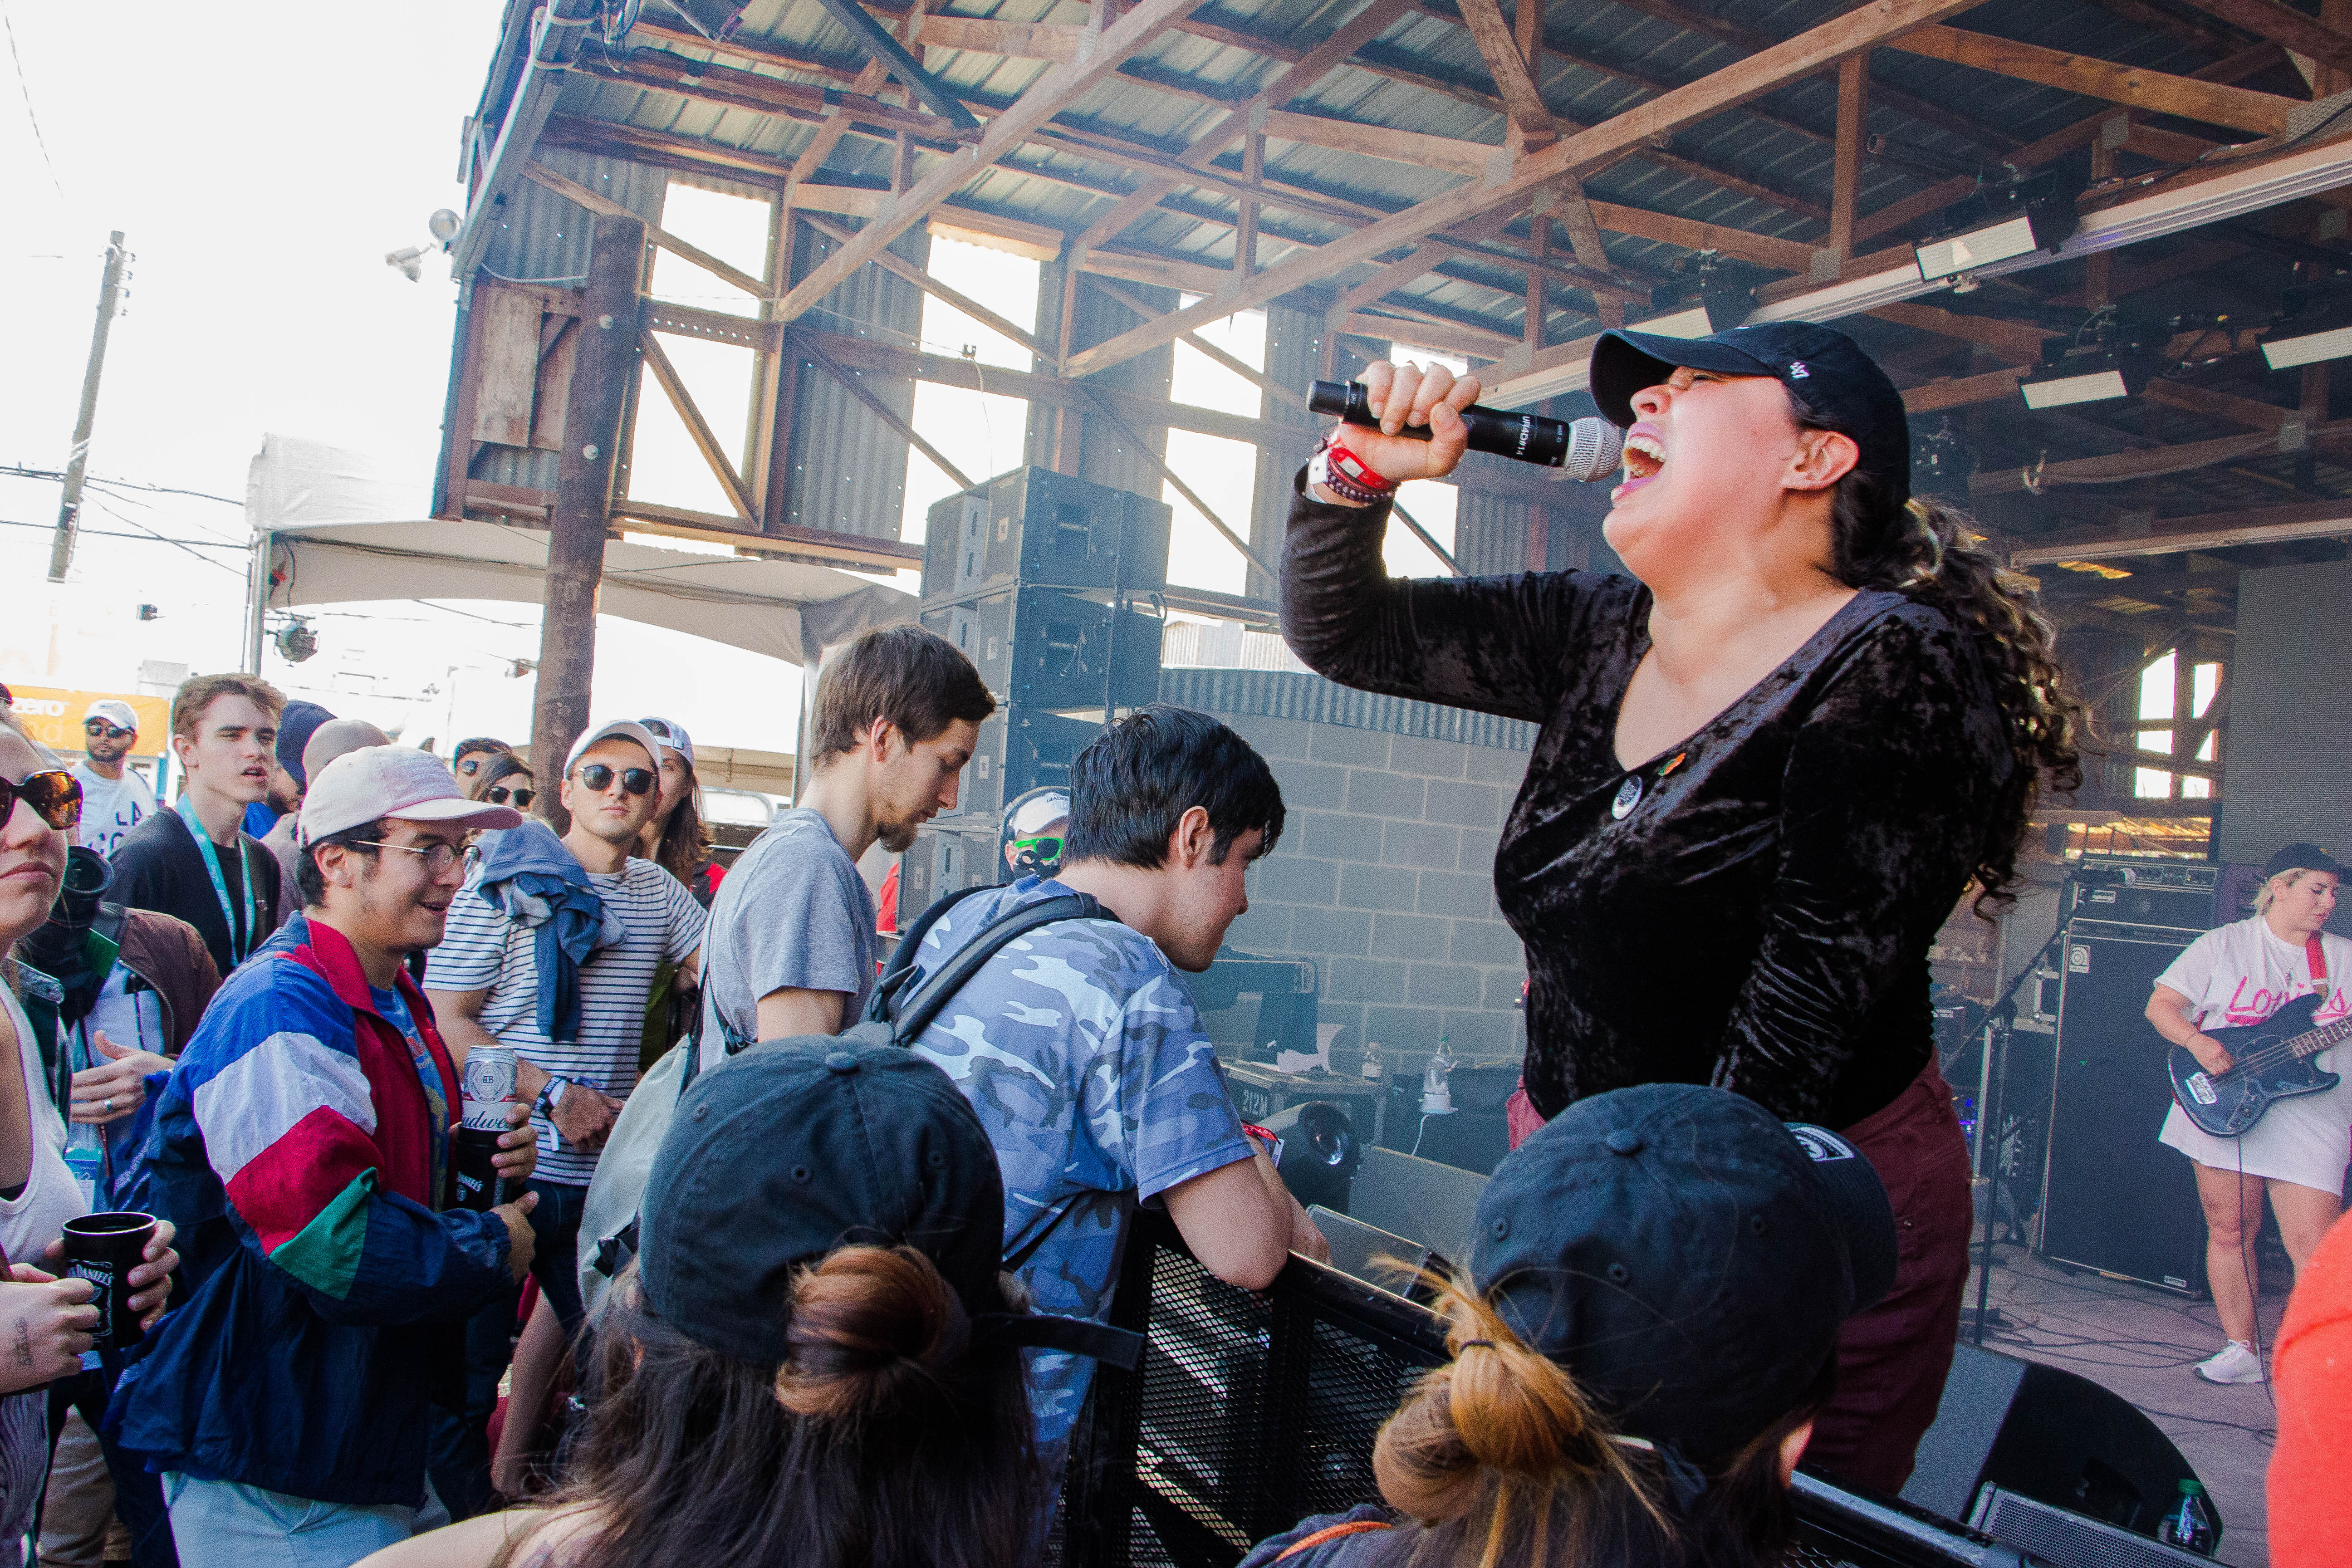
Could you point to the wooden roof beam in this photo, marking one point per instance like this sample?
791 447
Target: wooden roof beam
2261 113
2284 24
1815 50
1061 85
1522 101
1902 102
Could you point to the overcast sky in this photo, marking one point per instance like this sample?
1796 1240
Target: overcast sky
261 159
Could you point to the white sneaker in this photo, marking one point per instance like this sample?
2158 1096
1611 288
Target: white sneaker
2237 1363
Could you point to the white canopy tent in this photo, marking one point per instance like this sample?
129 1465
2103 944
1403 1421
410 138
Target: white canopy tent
331 527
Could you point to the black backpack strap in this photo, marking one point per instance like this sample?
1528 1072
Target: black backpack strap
916 1015
904 956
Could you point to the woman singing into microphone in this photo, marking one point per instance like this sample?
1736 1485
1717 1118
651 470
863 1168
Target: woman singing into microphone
1768 764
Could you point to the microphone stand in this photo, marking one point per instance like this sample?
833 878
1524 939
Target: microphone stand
1995 1086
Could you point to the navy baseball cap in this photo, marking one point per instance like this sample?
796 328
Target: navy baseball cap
796 1147
295 727
1841 387
1686 1256
2302 857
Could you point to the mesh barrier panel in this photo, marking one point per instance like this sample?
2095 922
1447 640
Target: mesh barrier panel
1252 1411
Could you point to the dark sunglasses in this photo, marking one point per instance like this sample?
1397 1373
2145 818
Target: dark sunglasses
498 795
54 795
598 777
100 727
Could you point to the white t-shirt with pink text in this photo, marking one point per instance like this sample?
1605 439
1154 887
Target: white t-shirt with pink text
2240 975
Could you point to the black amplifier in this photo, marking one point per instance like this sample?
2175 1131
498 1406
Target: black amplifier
2177 895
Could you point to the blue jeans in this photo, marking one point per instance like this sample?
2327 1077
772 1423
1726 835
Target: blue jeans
221 1524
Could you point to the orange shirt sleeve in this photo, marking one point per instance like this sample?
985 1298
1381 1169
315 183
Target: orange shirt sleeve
2310 1486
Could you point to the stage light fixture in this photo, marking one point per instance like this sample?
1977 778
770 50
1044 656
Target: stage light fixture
296 641
1711 297
714 20
2308 347
2085 377
2000 223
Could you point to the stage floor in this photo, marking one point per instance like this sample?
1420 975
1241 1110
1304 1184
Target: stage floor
2141 1344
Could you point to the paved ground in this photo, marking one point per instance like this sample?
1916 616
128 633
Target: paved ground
2141 1342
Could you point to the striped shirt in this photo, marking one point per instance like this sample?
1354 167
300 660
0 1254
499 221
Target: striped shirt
484 951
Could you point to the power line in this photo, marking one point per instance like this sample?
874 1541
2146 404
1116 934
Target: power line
100 501
18 471
149 538
26 89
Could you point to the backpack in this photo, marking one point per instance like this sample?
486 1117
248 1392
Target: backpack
612 1213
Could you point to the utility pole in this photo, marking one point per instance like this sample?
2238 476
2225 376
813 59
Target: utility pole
110 303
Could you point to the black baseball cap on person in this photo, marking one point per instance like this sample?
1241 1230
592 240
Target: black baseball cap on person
295 727
1687 1257
1841 387
2302 857
796 1147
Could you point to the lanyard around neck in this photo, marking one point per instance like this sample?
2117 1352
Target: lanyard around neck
186 807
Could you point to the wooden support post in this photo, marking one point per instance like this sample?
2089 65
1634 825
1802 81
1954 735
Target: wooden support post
1539 539
1069 423
1853 131
1538 246
1246 230
2099 271
601 375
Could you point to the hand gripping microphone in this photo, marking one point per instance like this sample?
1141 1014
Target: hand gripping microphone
1586 449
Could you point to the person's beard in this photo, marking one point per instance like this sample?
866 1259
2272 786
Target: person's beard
898 837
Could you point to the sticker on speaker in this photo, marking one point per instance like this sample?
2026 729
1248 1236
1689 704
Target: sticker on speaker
2078 961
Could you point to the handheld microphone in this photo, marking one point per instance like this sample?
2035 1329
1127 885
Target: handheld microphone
1586 448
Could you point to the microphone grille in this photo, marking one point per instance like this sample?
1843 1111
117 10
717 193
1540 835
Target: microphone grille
1595 448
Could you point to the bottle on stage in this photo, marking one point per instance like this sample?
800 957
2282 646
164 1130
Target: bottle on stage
486 1084
2187 1525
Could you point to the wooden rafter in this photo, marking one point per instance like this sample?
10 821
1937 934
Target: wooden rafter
1061 85
604 207
1289 396
1816 49
881 410
1499 47
2263 113
891 261
2284 24
1853 131
697 427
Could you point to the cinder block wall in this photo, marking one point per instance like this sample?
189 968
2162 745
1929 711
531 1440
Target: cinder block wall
1385 877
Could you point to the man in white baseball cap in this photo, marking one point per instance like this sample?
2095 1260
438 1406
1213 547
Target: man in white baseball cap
311 1117
115 799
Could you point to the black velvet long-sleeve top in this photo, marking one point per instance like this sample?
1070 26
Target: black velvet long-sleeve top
1752 908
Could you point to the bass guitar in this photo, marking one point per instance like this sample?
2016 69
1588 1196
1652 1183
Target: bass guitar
2269 1061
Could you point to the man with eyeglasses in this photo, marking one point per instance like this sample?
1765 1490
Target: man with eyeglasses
114 798
304 1141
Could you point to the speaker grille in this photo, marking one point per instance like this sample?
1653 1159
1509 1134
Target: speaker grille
2071 1538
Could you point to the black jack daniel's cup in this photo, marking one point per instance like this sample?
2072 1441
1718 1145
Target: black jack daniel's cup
103 1248
487 1082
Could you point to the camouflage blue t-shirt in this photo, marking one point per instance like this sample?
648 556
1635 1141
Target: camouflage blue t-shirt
1081 1050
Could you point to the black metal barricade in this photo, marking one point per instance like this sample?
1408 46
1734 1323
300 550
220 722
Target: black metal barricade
1251 1411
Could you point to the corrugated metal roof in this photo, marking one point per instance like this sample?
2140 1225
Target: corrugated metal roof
1284 694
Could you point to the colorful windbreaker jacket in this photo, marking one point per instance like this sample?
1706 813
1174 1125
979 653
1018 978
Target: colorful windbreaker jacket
294 1149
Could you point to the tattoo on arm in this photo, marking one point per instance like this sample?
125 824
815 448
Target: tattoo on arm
24 1351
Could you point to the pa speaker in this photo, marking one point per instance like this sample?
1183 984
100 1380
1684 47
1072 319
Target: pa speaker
2117 1200
2040 1433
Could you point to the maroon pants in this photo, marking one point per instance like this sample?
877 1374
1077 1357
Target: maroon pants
1893 1358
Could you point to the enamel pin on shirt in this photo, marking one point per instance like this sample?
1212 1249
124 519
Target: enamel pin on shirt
1629 795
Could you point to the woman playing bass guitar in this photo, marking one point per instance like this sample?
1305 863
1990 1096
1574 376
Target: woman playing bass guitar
2233 976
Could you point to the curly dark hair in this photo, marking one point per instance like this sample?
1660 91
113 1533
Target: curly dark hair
1932 552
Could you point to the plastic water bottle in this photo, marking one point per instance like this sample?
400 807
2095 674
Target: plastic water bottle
86 1159
1375 1066
1436 1093
2188 1526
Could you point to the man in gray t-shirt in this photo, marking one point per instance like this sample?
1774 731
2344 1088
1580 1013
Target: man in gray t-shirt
790 949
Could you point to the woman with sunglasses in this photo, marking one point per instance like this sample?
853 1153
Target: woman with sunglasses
1770 762
504 779
40 806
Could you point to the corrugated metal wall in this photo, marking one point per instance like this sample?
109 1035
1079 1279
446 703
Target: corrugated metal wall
1104 455
848 469
1280 694
1294 340
545 239
2288 747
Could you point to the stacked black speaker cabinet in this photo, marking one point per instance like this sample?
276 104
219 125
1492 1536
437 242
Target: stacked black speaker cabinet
2115 1199
1047 583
